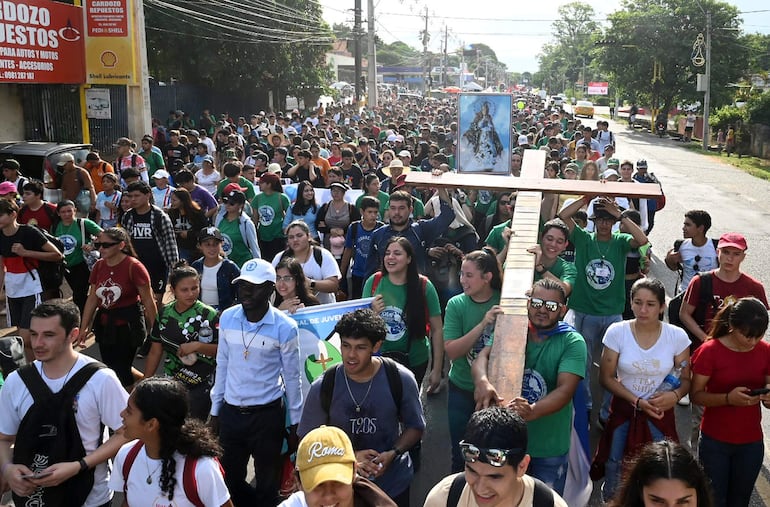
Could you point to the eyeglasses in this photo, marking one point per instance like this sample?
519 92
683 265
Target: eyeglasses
494 457
537 303
99 246
505 202
285 279
695 266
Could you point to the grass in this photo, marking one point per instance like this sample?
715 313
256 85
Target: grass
757 167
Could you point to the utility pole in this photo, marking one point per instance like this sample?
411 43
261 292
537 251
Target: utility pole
372 58
446 57
357 48
707 97
425 40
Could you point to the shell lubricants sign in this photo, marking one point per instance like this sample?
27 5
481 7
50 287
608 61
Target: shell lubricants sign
109 42
41 42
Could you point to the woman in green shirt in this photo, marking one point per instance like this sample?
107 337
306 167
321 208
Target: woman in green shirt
270 207
372 188
70 233
468 326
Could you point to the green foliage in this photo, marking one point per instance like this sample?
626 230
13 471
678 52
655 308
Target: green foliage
758 109
726 116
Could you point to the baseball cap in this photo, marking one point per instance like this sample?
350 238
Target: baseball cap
160 173
10 164
400 182
614 163
609 173
572 167
268 177
274 168
523 140
325 454
234 197
232 186
208 158
64 158
405 153
602 213
123 141
729 239
641 163
7 187
257 271
210 233
339 185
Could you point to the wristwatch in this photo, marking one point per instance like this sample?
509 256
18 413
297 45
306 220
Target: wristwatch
540 268
398 452
312 283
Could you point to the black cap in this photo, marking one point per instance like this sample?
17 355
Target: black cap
10 164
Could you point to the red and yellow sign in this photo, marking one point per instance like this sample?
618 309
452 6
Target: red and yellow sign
41 42
109 44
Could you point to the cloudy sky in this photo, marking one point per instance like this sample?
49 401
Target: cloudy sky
514 32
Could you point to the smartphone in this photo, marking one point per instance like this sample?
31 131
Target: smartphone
37 475
757 392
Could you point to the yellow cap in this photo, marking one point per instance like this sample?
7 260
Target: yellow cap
325 454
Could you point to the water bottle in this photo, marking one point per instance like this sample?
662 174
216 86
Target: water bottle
672 380
205 333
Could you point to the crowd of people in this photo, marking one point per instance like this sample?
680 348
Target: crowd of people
195 248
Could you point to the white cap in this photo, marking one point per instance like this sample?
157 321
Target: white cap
257 271
161 173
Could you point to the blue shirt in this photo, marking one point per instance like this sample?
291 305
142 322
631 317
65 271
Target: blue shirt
257 362
360 243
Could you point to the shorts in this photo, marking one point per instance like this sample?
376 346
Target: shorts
688 129
158 279
20 309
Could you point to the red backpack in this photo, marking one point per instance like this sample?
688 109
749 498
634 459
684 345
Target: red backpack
189 483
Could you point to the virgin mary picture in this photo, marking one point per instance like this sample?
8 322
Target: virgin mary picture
484 143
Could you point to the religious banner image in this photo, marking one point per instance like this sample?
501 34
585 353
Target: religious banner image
319 345
484 144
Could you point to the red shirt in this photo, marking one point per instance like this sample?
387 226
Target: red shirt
40 217
728 369
118 286
744 286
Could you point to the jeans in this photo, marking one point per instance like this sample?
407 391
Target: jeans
257 433
552 471
593 327
460 407
614 465
732 468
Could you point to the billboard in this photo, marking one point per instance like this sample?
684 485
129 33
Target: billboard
598 88
109 45
41 42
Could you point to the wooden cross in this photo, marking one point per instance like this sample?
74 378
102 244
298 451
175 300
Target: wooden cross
322 360
506 361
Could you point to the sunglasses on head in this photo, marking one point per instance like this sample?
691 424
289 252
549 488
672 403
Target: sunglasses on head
494 457
98 245
697 260
551 306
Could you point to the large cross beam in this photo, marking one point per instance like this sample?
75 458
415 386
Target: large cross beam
506 362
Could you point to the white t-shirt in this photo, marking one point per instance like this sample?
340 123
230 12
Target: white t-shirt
208 181
209 287
99 402
704 257
327 269
295 500
641 371
208 477
437 496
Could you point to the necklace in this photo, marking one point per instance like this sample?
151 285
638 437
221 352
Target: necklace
356 403
603 255
243 340
147 466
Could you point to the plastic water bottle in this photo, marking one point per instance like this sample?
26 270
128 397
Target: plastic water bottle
673 379
205 333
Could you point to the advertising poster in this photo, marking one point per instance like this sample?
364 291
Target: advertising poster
98 105
319 346
41 42
108 45
484 144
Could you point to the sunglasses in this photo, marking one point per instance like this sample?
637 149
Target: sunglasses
697 260
551 306
285 279
99 245
494 457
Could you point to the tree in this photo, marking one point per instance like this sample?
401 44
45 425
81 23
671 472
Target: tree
635 40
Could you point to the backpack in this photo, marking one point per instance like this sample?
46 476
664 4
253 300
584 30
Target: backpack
317 255
542 497
120 169
11 354
51 273
705 298
49 434
394 383
189 482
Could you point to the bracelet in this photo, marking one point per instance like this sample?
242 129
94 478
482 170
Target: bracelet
397 451
727 398
636 405
83 465
678 396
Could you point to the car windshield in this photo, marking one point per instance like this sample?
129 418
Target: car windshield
584 103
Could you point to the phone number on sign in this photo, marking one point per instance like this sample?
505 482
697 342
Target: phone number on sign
12 74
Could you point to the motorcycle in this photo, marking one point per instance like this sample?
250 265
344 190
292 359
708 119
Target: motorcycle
660 128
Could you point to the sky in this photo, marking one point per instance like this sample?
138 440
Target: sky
514 32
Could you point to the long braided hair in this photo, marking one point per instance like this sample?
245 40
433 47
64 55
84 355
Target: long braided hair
165 399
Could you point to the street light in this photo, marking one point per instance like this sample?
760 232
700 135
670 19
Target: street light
707 95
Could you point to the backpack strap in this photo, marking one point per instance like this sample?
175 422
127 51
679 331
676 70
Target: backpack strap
394 382
130 458
542 496
79 379
34 382
318 256
327 389
376 282
455 490
190 483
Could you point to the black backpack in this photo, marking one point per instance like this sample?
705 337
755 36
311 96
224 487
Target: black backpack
49 434
11 354
705 298
394 382
51 273
542 497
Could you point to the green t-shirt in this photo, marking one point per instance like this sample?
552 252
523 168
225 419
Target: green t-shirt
270 209
384 203
153 161
72 239
395 303
171 329
484 202
600 286
563 352
233 245
495 236
563 270
418 208
243 182
462 315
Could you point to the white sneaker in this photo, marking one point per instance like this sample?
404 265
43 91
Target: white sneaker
684 401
